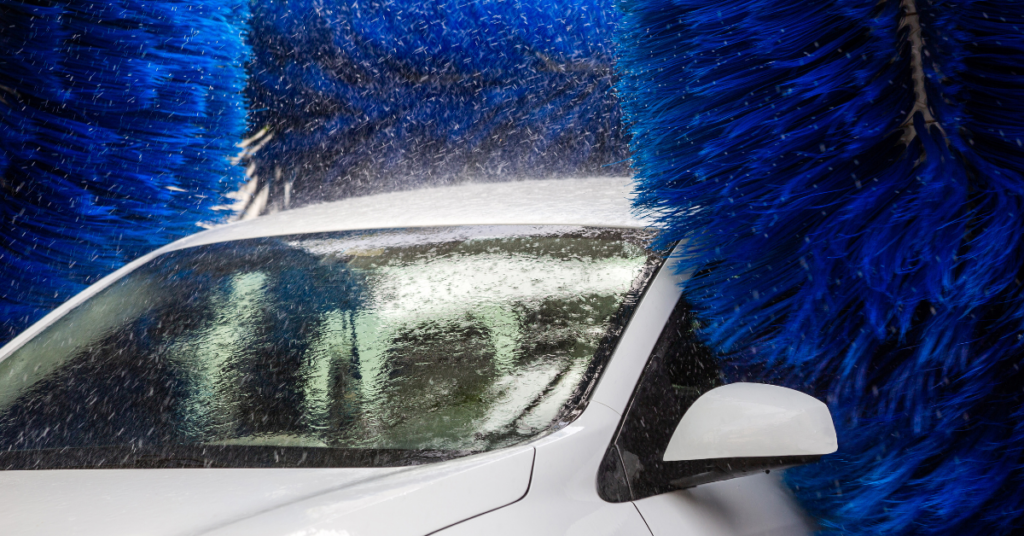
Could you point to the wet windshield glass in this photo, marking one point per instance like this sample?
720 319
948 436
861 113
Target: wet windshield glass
342 349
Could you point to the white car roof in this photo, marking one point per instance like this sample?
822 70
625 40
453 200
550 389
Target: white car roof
598 202
604 202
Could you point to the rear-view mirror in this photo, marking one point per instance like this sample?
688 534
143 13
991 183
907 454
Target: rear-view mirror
742 428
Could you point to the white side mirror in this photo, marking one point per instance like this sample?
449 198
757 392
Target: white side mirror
752 420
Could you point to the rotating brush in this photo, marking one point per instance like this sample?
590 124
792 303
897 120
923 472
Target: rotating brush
117 121
369 97
848 178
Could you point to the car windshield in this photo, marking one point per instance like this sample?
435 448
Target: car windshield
359 348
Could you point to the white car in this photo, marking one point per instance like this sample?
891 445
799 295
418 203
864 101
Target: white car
481 359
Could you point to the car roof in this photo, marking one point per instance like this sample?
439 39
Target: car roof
596 202
601 202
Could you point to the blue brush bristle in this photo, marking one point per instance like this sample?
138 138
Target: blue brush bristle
868 258
376 96
117 121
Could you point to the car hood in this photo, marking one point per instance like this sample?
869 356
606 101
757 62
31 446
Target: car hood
287 502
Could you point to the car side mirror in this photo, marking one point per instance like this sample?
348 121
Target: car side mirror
742 428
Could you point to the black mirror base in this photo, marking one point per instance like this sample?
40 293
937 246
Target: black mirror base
715 470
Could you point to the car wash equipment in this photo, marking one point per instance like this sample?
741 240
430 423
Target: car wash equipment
847 178
117 121
368 97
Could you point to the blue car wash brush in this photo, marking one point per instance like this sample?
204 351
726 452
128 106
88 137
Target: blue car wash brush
848 178
365 97
117 123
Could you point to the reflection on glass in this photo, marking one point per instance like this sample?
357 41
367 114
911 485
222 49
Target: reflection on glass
446 339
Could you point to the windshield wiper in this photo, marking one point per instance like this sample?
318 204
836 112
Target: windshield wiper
218 456
152 461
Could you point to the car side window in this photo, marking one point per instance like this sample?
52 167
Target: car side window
679 371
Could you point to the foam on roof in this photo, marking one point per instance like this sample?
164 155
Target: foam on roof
601 202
